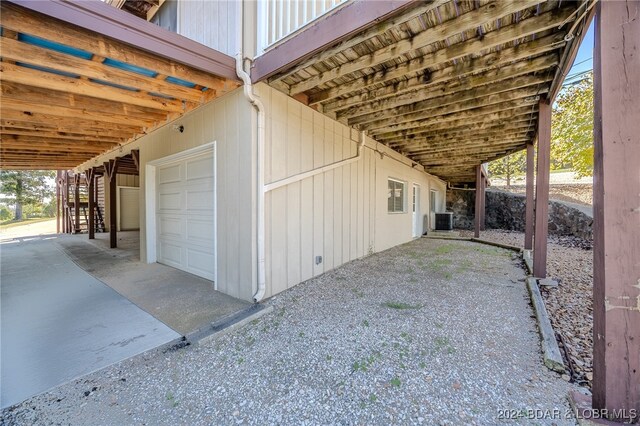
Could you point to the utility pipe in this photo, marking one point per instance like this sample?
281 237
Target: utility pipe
300 176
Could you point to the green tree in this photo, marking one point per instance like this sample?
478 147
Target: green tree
509 166
572 127
26 187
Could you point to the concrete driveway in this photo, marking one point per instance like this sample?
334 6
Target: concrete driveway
59 322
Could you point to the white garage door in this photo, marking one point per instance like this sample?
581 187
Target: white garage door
185 215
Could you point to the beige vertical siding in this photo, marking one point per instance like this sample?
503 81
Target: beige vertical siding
227 121
341 214
210 22
128 180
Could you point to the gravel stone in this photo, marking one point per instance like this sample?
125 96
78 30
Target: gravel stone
570 304
430 332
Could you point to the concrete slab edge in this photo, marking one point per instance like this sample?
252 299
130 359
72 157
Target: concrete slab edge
550 350
527 256
228 324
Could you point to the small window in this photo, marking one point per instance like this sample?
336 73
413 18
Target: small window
432 200
395 202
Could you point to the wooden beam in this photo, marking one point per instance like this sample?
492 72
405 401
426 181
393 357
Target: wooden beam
135 155
471 20
570 53
422 101
35 129
490 40
424 140
381 27
524 70
50 59
111 170
91 188
4 131
76 203
58 202
47 80
28 93
616 207
73 113
472 110
69 121
476 226
529 212
522 119
542 191
335 27
110 33
59 142
471 64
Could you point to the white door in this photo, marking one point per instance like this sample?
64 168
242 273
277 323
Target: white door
129 211
185 215
417 224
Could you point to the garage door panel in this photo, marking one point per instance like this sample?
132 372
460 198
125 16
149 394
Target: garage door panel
199 200
200 262
170 201
168 174
171 227
201 168
185 215
200 232
171 254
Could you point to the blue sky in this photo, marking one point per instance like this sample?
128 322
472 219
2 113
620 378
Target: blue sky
584 59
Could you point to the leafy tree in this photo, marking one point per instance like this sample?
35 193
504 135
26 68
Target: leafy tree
572 127
5 213
26 187
509 166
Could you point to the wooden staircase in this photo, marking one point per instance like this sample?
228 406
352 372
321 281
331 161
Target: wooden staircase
82 225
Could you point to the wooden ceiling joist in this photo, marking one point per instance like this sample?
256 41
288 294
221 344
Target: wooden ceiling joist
450 84
69 94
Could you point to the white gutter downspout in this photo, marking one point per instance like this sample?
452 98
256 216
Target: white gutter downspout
257 103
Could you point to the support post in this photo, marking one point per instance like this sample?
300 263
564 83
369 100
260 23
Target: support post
529 212
58 216
483 199
111 169
616 207
67 220
91 183
76 203
478 201
542 190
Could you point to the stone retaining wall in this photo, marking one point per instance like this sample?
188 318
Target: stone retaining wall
505 210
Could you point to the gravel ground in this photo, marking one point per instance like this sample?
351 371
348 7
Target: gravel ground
570 305
433 332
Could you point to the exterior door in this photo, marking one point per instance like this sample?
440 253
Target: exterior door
417 224
185 217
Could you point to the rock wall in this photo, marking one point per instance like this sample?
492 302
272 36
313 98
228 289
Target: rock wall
505 210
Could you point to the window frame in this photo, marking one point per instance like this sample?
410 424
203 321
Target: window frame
403 196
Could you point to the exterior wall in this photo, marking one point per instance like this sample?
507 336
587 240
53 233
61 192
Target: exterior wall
227 121
341 214
212 23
